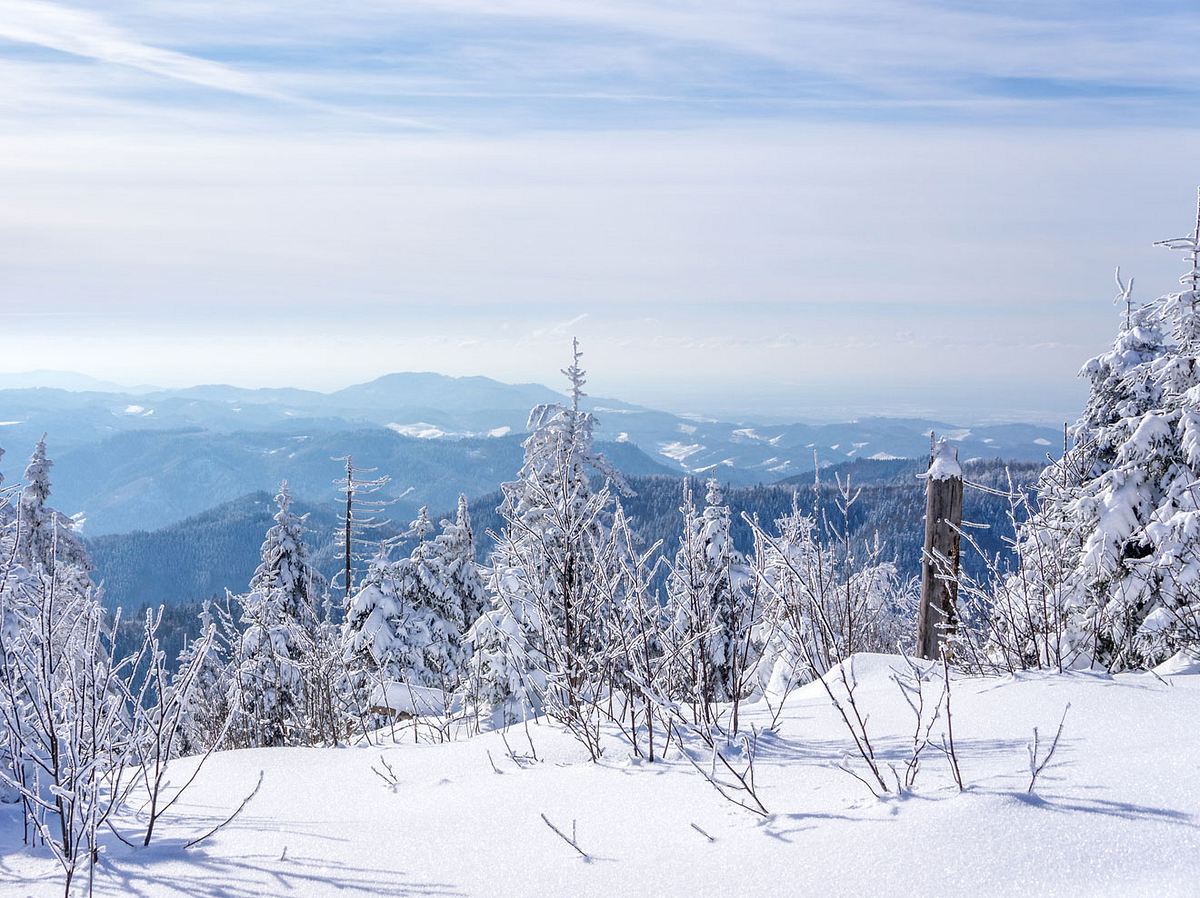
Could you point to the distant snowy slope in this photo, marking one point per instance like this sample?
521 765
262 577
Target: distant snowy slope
149 479
1114 815
146 459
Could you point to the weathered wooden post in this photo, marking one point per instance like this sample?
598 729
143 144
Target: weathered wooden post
939 561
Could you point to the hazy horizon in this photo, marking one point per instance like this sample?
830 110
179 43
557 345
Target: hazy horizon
784 404
897 206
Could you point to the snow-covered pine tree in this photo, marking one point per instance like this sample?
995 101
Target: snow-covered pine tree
454 594
285 564
714 602
1112 546
51 566
1044 612
729 596
428 625
279 621
405 625
370 649
421 528
46 539
454 549
543 635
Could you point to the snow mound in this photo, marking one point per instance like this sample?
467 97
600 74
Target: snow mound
1179 664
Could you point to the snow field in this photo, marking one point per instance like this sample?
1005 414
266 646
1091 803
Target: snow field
1116 813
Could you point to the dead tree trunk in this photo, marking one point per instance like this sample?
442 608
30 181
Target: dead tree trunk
939 561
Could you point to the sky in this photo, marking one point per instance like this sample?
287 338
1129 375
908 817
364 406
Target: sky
812 209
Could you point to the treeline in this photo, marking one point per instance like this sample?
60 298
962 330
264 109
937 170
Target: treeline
184 564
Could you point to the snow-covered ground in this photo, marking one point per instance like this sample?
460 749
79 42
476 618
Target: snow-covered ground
1117 812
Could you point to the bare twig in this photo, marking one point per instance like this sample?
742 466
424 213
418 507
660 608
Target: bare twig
1036 767
388 775
744 780
948 742
570 840
241 807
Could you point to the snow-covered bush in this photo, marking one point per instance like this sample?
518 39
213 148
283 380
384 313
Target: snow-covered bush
206 709
830 596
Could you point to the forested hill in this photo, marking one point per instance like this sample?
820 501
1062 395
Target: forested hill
202 556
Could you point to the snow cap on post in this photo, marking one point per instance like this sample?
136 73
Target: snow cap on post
945 464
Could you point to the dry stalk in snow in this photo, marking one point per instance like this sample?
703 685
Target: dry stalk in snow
571 840
1035 766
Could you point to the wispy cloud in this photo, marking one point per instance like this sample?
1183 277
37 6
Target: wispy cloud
85 34
550 64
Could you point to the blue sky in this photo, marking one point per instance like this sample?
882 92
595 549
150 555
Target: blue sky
810 208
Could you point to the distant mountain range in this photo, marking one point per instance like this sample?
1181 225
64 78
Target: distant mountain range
143 458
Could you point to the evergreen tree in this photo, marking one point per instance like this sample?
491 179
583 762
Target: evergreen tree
543 636
370 649
1112 546
454 549
710 594
279 621
46 539
405 624
286 567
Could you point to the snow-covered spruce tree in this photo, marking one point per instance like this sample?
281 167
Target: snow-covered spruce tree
715 604
45 594
1112 549
404 626
454 593
729 595
543 635
369 645
46 539
279 619
504 675
428 626
454 551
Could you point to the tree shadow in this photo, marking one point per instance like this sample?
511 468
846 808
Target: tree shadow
251 876
168 869
1123 810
